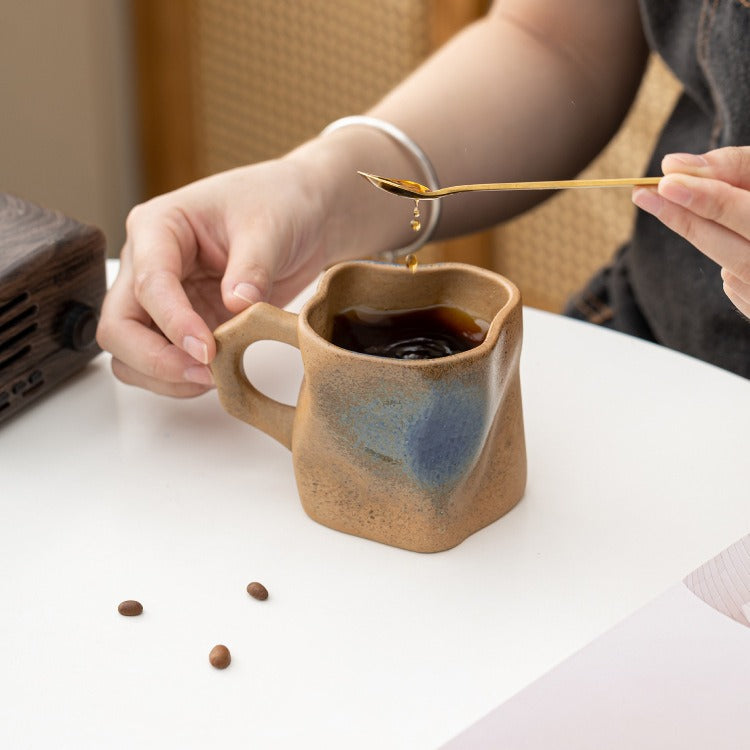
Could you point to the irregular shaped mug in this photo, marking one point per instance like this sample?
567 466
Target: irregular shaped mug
417 454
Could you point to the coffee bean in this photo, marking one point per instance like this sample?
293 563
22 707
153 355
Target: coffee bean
130 608
220 657
257 590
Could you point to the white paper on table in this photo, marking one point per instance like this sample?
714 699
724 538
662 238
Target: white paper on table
675 674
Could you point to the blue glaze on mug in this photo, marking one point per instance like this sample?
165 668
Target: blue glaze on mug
380 424
435 436
444 442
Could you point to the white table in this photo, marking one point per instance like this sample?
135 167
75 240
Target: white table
638 472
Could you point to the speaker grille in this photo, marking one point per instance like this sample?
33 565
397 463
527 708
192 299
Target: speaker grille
17 325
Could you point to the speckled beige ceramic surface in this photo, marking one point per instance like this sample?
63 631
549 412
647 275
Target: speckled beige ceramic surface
417 454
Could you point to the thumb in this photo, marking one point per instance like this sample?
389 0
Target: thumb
250 271
730 164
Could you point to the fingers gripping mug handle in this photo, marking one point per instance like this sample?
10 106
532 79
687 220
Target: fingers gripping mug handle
237 394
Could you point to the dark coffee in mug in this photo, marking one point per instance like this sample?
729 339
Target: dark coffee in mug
418 333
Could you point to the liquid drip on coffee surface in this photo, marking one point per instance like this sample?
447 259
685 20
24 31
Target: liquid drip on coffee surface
419 333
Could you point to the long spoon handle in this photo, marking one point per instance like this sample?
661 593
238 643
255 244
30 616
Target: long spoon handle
548 185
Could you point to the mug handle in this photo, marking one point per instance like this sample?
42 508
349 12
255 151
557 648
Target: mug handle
237 394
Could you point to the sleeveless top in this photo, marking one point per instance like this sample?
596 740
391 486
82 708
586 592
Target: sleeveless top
660 286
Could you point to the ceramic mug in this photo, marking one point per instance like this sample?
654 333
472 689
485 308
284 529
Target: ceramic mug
417 454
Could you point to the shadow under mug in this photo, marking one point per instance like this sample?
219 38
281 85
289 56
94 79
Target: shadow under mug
418 454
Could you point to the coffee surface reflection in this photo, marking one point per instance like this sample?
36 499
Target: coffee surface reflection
418 333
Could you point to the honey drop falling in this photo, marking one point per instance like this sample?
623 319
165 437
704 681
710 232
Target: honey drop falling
411 262
416 225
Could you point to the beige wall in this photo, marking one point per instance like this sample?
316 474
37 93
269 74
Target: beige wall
67 134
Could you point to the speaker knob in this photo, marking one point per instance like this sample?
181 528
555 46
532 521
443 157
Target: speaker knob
79 327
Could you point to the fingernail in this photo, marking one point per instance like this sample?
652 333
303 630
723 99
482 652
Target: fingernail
676 191
196 349
648 200
247 292
689 160
198 374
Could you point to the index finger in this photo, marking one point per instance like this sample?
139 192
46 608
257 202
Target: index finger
126 331
714 200
159 252
730 164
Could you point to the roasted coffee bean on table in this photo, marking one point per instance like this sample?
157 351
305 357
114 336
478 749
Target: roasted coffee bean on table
220 657
130 608
257 590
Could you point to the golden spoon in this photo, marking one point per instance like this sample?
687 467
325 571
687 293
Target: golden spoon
417 191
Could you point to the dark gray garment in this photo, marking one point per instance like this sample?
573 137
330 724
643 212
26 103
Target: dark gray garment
659 286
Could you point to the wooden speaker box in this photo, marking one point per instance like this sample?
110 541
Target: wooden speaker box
52 283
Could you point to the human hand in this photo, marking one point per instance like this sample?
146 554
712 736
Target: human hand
197 256
706 200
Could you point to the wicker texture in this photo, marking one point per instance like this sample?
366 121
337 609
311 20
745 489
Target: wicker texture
271 73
